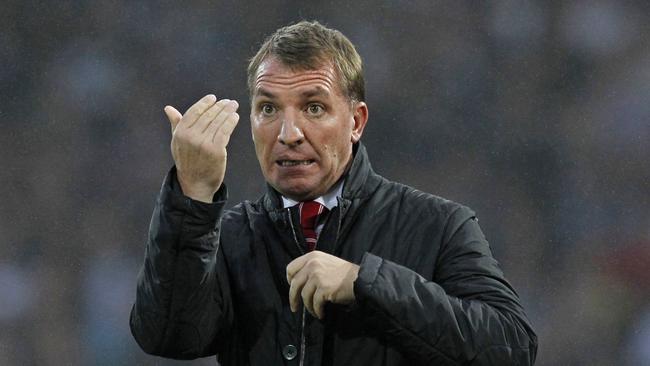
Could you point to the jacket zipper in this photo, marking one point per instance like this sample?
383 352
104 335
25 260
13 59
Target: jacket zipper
293 231
302 326
342 206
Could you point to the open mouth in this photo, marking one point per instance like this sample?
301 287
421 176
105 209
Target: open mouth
294 162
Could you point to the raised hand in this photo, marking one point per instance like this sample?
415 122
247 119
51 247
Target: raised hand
199 140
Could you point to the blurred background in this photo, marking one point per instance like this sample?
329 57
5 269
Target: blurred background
535 114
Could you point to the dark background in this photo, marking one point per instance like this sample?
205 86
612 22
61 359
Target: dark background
535 114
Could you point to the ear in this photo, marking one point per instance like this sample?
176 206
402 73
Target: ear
360 116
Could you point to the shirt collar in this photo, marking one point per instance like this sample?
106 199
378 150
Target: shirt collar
328 199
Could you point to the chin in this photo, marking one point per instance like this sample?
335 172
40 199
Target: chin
298 193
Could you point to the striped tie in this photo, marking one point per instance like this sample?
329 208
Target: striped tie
309 212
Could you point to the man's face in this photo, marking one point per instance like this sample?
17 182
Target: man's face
303 128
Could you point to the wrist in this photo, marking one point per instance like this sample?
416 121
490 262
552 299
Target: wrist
197 192
353 274
200 196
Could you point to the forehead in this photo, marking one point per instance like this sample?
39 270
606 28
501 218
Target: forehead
273 76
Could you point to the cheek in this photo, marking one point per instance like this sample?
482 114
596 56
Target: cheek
334 154
263 152
258 144
263 138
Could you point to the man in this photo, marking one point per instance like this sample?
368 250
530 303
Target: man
334 265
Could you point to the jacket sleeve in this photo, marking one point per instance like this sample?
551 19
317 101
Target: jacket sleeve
466 315
183 303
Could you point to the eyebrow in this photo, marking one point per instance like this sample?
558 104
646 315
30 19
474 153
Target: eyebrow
265 93
315 92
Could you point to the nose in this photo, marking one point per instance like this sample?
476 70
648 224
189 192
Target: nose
290 133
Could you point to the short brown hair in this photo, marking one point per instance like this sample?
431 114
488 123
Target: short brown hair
309 45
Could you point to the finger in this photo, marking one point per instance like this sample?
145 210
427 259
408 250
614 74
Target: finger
210 114
173 115
198 108
221 137
228 108
296 265
319 303
295 289
307 295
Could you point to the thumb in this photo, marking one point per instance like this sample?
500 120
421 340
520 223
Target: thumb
173 115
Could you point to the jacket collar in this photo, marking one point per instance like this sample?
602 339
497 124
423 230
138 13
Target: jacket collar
361 180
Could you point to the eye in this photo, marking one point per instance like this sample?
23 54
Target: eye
315 109
267 109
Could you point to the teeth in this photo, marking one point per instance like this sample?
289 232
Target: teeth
294 162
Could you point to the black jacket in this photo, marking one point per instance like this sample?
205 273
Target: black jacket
429 291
